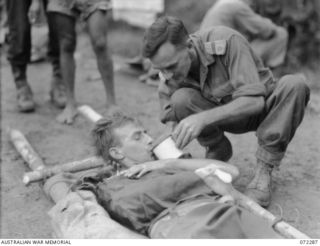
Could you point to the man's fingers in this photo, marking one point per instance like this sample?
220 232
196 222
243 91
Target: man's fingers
142 172
187 138
136 171
176 132
181 137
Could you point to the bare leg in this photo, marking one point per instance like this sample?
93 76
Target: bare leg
65 27
98 25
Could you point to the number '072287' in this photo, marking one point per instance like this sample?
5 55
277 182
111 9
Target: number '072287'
309 242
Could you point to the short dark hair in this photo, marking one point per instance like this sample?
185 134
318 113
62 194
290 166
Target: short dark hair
103 134
166 28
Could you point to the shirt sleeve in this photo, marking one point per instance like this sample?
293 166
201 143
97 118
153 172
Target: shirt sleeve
243 70
254 25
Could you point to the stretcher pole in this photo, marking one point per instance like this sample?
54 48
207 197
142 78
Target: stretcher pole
75 166
24 148
89 113
280 226
36 163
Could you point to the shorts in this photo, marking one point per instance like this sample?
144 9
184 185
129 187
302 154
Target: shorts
75 8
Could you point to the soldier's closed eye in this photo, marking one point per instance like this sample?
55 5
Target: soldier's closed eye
171 67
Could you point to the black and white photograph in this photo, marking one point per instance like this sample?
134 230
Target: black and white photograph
159 119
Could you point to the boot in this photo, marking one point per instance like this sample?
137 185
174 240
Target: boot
24 93
259 189
221 151
25 99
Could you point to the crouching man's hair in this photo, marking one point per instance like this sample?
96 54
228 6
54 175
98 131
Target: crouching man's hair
103 134
164 29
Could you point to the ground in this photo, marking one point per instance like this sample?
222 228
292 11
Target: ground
296 189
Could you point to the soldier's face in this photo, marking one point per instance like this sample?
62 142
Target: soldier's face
174 62
135 143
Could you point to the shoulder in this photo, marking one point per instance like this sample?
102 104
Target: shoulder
216 39
215 33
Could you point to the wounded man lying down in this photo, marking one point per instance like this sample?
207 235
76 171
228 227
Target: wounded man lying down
156 198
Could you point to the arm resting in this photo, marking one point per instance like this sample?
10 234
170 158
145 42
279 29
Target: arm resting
234 111
193 164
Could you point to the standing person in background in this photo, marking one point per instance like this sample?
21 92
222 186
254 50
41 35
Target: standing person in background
268 40
63 14
19 40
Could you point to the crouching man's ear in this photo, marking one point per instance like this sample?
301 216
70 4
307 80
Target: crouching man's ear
116 153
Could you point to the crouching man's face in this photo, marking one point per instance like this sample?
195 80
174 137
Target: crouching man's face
174 62
133 145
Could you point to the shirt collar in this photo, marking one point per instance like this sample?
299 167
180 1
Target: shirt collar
205 58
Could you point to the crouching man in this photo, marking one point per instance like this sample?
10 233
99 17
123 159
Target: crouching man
213 82
156 198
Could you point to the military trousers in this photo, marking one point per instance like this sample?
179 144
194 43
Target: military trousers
275 126
19 37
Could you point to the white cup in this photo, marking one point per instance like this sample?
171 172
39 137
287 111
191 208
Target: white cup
167 149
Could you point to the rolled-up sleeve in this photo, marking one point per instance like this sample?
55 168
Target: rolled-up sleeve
242 69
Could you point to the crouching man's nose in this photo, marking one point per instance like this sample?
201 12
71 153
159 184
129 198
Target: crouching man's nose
166 75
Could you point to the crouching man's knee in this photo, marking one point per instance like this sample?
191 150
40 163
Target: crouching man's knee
296 86
187 101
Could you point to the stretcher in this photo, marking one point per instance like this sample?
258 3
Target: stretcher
36 164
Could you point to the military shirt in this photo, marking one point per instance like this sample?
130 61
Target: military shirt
228 69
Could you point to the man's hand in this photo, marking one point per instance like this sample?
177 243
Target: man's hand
188 129
137 171
34 11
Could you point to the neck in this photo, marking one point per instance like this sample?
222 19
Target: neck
126 163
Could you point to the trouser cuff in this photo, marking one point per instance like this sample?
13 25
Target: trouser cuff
273 159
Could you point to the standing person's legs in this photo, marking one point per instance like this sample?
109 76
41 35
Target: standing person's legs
98 28
19 39
284 113
64 28
58 90
187 101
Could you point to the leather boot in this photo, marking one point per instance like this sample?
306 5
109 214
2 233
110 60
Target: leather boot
24 93
25 99
259 189
221 151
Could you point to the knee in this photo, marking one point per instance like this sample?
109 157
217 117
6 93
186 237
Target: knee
181 99
282 34
296 85
99 44
68 45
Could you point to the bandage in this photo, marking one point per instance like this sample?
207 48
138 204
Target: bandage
211 169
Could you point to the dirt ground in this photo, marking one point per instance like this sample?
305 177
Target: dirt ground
24 209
